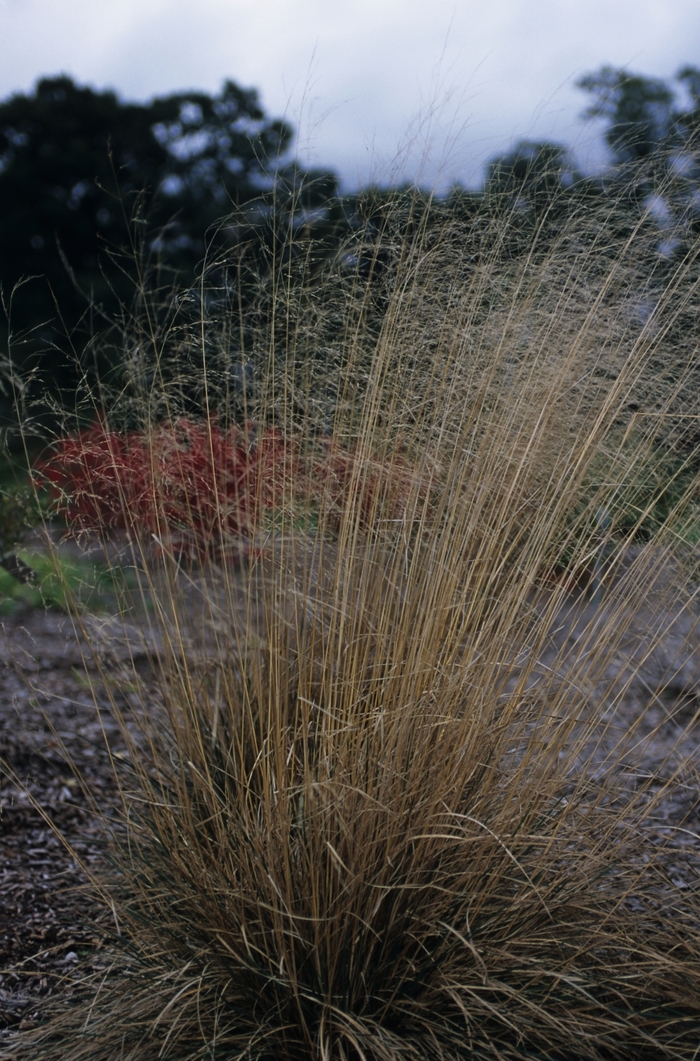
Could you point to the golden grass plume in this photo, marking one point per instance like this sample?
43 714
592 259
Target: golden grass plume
398 793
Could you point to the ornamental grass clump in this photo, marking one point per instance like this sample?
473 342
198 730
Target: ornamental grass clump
398 791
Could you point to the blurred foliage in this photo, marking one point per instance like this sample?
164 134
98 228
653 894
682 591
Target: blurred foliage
93 191
66 583
636 109
20 511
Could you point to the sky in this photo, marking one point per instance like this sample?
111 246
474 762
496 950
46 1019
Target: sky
378 90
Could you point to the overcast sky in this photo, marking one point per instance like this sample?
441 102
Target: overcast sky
377 89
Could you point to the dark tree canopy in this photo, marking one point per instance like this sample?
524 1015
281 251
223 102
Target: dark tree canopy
643 115
637 110
78 167
89 182
687 122
652 128
537 172
72 161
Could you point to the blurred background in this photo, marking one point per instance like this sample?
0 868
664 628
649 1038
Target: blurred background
128 128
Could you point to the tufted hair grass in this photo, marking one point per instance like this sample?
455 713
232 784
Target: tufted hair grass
392 798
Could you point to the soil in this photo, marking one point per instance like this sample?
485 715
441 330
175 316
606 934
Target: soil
52 742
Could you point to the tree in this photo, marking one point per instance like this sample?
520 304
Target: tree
80 168
534 173
638 111
653 137
687 122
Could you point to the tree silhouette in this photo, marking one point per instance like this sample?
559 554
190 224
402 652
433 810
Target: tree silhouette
534 172
85 176
638 111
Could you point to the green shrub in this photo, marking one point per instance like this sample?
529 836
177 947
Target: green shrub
64 584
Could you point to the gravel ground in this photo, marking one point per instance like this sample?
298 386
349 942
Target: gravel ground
50 928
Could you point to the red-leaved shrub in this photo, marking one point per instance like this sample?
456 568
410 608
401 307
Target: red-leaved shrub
193 487
200 490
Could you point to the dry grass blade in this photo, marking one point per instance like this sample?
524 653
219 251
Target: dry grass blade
396 799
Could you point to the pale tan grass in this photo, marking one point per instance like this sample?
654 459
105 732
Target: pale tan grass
376 814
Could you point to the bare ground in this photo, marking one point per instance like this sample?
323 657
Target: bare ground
53 740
